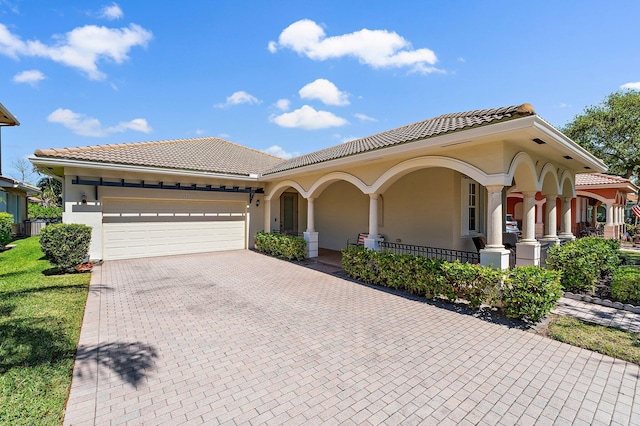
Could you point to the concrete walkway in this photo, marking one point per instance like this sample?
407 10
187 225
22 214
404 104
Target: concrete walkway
241 338
598 314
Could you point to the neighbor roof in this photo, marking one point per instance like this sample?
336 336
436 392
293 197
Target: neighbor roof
6 118
601 179
431 127
200 154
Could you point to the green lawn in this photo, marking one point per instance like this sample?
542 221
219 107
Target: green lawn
617 343
40 319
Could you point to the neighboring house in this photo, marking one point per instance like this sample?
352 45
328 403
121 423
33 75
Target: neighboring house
438 183
13 193
595 192
13 199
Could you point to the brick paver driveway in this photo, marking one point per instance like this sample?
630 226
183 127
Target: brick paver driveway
241 338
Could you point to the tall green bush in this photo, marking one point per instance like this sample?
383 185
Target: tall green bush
65 245
36 211
584 261
530 292
282 246
6 222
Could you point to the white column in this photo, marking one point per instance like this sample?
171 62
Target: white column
539 220
311 225
585 208
529 222
566 233
373 215
494 217
371 242
610 214
494 254
551 224
579 212
310 235
267 215
528 249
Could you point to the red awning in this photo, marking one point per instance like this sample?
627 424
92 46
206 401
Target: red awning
636 210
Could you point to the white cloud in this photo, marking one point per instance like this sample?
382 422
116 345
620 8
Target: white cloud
239 98
631 86
111 12
283 104
376 48
81 48
325 91
200 132
308 118
278 151
363 117
31 77
87 126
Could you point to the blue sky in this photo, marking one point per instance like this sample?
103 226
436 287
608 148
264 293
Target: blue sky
291 77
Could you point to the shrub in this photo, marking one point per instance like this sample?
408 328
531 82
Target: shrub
625 285
474 283
530 293
282 246
65 245
48 213
526 292
584 261
6 222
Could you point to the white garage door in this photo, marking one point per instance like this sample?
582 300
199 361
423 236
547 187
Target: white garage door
144 227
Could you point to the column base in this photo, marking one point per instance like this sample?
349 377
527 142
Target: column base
312 243
372 242
528 253
609 231
566 237
496 258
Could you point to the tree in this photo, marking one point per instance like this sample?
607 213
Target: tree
25 170
51 191
611 131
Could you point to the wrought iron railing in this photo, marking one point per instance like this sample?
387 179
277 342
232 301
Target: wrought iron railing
449 255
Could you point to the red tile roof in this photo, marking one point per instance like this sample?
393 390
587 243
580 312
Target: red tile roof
200 154
587 179
436 126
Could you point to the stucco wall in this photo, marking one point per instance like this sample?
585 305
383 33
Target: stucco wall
91 212
341 212
421 208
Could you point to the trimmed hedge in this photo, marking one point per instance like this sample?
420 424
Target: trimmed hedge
531 292
584 261
282 246
528 293
625 285
66 245
6 222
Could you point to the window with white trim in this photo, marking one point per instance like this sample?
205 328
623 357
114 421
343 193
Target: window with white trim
471 200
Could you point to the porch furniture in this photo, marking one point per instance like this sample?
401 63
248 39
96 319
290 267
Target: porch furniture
359 240
479 242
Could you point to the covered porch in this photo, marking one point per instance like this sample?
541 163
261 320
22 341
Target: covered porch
437 191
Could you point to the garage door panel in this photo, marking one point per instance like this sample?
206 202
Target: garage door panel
137 228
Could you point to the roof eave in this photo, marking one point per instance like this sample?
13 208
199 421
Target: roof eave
6 118
46 163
